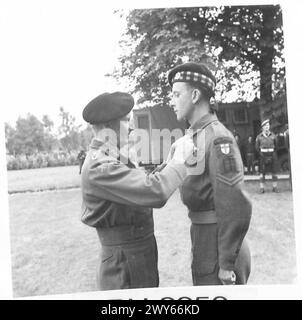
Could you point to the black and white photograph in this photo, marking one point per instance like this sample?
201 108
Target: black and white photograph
147 148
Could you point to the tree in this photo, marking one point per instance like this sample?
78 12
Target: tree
49 139
28 137
67 122
86 136
9 138
240 44
254 36
69 131
47 123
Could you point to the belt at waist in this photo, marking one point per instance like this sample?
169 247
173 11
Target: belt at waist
203 217
124 234
267 150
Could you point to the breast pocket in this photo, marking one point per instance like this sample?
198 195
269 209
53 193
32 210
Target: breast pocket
198 168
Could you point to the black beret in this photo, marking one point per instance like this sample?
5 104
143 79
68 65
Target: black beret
193 72
107 107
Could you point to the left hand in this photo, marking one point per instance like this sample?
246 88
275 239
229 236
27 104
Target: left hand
227 277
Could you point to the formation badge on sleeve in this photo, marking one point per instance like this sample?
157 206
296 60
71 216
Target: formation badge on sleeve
225 148
224 144
228 165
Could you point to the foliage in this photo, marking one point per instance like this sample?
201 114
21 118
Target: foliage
49 136
27 137
242 45
69 130
9 138
85 137
41 160
32 143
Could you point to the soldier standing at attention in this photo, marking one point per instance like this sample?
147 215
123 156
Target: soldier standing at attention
81 158
118 197
218 207
266 146
250 155
240 146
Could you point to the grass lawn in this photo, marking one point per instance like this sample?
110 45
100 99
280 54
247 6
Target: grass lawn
43 179
53 252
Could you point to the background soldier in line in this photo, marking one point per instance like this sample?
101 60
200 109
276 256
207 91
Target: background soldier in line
240 145
250 155
266 147
218 207
81 159
118 197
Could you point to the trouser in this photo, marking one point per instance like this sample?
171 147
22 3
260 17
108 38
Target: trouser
80 166
268 163
205 266
127 263
250 158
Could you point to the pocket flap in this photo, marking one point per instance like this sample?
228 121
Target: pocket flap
205 268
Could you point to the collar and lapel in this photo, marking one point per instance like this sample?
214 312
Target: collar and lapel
202 123
108 148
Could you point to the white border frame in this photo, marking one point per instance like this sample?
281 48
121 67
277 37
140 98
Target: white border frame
292 27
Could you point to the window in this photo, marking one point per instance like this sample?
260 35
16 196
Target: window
240 116
143 122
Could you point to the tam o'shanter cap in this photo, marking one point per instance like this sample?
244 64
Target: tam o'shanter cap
107 107
264 122
194 73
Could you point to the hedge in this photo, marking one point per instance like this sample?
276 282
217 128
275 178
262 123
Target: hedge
41 160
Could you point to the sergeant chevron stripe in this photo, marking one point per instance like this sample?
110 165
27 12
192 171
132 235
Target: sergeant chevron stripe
230 181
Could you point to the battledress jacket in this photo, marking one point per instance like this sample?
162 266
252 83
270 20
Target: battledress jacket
266 144
118 194
216 194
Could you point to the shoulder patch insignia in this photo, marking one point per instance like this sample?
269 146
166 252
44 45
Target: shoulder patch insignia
229 169
225 148
223 144
223 140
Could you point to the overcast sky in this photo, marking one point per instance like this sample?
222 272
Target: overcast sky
56 53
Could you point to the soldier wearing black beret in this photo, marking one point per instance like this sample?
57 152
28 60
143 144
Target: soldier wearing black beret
218 207
118 197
